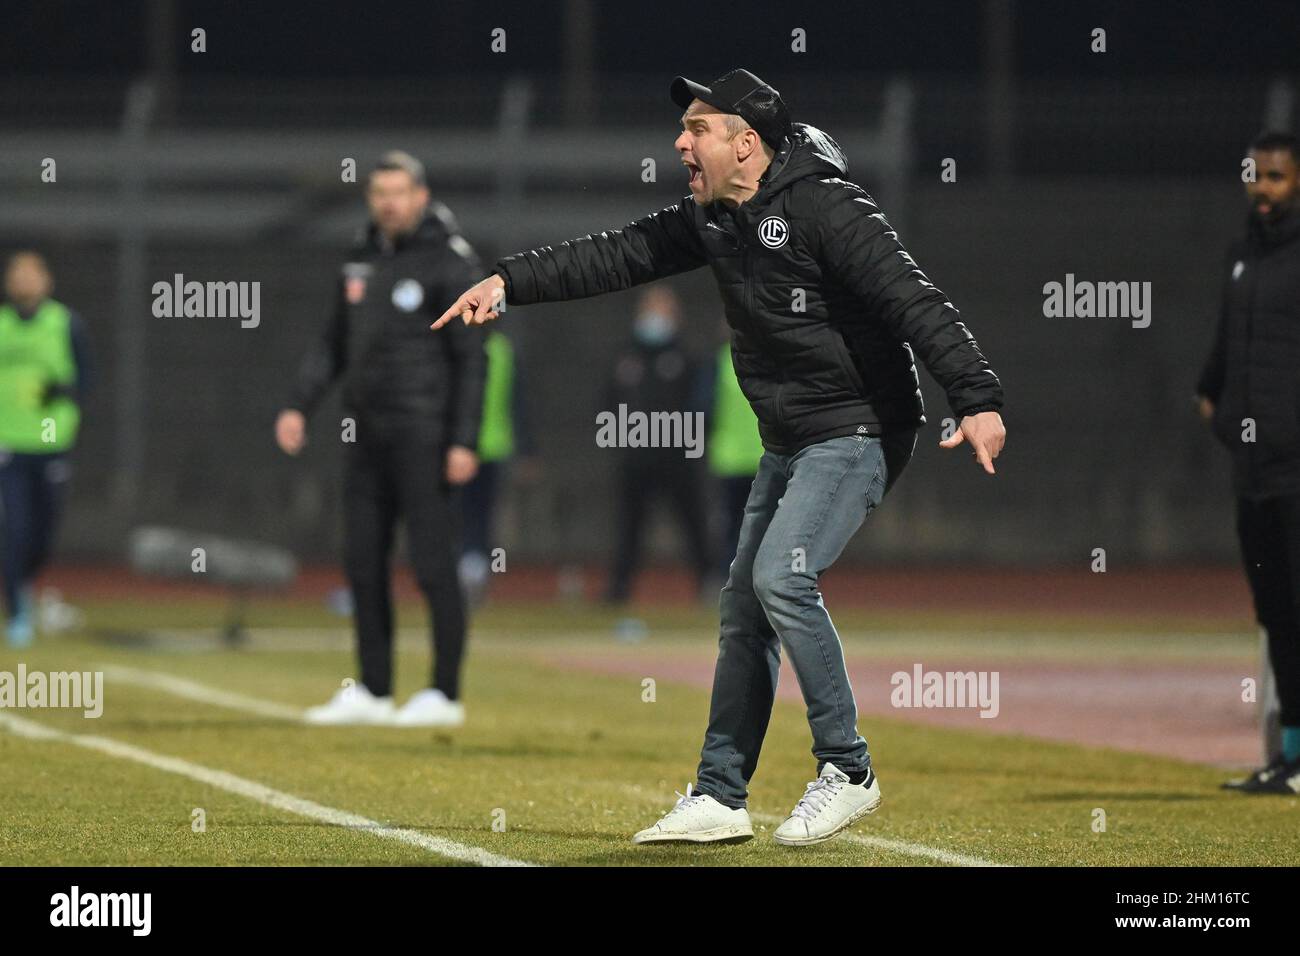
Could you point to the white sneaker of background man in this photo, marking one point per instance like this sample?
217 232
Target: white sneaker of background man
830 804
430 708
698 818
353 704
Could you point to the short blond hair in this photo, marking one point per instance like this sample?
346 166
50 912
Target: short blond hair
735 124
398 160
738 124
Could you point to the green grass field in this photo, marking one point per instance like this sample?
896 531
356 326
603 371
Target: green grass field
556 766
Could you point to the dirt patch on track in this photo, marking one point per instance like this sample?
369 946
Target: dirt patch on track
1206 593
1186 710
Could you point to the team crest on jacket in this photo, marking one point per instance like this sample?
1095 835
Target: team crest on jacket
354 281
773 232
408 295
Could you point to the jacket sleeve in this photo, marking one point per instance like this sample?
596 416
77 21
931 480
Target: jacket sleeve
661 244
324 361
861 251
83 356
468 345
1210 382
80 386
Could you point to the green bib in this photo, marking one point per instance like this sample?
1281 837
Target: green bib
35 353
734 445
496 436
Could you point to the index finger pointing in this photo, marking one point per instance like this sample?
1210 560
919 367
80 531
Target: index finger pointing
446 316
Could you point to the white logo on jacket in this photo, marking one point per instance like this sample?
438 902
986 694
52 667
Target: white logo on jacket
408 295
773 232
1237 270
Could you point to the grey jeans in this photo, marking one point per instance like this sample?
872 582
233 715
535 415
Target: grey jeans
802 511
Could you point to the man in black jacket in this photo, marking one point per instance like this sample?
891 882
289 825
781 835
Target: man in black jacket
1249 389
412 407
825 308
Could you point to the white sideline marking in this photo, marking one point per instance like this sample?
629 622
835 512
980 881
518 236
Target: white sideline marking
192 690
951 857
905 847
259 792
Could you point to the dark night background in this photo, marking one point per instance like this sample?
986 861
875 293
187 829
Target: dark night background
1121 166
47 37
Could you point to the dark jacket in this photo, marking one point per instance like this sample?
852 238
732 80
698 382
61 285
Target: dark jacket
400 379
825 306
663 377
1253 370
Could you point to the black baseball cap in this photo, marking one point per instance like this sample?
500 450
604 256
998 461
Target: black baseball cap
742 93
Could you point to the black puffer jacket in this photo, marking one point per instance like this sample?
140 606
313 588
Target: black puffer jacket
1254 366
825 306
398 380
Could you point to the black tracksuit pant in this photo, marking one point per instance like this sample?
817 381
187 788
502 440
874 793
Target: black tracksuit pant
31 495
478 505
642 479
1269 532
734 494
387 477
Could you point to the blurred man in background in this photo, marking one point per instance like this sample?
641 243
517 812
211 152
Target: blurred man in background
656 373
44 371
1249 389
412 406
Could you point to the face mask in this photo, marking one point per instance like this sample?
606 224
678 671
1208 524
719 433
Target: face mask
653 328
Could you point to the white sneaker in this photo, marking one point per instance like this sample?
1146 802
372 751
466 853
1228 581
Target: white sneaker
57 616
430 708
352 705
829 804
698 818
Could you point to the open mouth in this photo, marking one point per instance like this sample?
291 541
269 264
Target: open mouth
693 170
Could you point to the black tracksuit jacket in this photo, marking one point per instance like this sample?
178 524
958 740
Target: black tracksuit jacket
1253 370
825 306
399 379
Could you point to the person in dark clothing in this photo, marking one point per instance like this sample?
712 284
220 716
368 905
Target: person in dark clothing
828 313
412 406
656 373
1249 390
44 377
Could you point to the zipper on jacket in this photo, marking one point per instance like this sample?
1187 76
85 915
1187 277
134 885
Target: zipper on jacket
749 311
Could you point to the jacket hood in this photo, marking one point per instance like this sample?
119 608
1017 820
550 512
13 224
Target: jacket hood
1269 234
805 153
